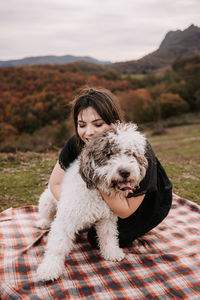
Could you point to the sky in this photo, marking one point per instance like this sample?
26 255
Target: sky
108 30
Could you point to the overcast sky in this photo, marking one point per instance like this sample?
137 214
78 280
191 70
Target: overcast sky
114 30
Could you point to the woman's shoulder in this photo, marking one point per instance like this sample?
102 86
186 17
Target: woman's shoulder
156 173
71 142
70 145
68 153
149 153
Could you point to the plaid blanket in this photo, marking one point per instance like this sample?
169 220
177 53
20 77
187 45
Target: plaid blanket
163 264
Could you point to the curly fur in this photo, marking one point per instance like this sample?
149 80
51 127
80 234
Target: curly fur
110 160
121 148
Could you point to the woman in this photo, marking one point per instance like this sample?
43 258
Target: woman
94 110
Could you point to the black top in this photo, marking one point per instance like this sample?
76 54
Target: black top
157 201
69 153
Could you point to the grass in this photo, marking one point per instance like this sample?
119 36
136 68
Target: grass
25 175
178 149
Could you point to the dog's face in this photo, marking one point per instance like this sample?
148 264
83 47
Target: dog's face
115 161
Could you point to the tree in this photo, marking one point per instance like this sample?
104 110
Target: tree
172 105
137 105
188 69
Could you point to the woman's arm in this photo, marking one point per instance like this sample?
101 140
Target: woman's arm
56 180
121 206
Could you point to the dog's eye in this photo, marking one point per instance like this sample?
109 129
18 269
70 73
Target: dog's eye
108 155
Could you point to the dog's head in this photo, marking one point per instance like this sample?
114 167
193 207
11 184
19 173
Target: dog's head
115 160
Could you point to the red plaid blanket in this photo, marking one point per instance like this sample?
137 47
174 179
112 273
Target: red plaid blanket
163 264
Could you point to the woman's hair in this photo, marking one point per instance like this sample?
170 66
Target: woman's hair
102 101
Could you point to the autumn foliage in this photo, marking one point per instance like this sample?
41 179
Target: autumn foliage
35 100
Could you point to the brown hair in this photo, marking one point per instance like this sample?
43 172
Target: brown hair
102 100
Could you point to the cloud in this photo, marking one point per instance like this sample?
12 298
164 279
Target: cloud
105 29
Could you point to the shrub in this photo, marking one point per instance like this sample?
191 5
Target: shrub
138 105
49 137
172 105
6 130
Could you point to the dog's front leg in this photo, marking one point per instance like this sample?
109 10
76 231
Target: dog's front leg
47 209
59 244
107 234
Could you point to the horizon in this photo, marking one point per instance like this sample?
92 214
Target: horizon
88 56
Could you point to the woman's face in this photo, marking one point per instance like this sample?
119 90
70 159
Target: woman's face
89 124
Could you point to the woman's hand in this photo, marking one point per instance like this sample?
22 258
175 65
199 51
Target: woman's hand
123 207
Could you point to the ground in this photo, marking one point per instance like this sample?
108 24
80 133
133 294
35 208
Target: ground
25 175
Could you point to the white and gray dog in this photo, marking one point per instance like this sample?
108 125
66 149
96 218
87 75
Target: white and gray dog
113 162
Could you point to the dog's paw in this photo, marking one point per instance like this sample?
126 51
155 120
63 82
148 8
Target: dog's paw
116 254
44 224
49 271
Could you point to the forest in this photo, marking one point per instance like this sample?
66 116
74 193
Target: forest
35 101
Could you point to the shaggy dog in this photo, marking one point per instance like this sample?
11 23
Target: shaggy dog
113 162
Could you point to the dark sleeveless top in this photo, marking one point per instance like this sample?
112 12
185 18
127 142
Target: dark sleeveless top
157 189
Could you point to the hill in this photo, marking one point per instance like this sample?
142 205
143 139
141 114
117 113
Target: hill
51 59
175 44
35 100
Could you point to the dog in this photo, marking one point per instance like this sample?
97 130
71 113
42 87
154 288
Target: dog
114 162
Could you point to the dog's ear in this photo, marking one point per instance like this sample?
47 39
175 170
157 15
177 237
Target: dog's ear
140 155
142 160
87 169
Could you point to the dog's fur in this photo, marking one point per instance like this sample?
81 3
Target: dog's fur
110 162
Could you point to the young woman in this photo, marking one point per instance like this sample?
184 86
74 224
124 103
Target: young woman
94 110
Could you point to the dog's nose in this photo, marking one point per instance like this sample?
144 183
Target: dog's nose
124 173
